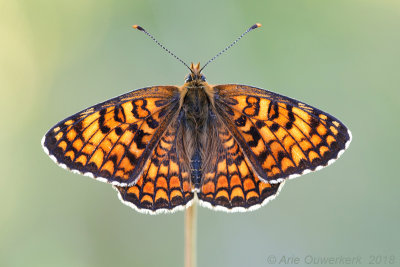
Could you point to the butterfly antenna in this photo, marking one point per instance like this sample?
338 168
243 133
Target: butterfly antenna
137 27
255 26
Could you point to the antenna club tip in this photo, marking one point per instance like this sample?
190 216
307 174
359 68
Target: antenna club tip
137 27
255 26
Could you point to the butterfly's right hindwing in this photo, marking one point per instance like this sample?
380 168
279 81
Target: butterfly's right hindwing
112 141
230 183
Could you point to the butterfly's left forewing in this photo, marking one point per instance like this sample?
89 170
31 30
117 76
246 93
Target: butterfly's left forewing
281 137
113 141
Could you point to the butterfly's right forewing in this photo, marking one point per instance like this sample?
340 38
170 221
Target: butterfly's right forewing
280 136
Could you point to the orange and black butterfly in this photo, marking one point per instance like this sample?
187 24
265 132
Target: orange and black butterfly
230 146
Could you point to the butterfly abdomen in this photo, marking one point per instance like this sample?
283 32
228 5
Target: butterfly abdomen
196 169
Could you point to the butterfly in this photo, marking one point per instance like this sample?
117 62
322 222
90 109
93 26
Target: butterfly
231 146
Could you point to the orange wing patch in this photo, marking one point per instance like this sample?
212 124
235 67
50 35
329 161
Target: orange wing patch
165 185
232 185
113 140
280 136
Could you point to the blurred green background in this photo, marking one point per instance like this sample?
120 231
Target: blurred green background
58 57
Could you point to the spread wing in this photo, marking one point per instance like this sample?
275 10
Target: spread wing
165 185
113 141
280 137
229 183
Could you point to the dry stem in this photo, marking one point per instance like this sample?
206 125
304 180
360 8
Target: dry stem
190 235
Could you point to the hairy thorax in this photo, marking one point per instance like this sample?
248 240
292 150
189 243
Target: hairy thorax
196 106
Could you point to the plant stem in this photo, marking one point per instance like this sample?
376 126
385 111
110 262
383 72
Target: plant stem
190 235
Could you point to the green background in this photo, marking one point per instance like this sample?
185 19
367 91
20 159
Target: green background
58 57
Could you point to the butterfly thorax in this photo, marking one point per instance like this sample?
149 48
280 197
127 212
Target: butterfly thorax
196 100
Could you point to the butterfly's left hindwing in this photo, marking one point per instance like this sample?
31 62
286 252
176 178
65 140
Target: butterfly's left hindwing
164 185
112 141
281 137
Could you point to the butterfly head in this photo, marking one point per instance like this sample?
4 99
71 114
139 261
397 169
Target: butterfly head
195 75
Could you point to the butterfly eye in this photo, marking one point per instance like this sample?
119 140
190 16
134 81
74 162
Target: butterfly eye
188 78
203 78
